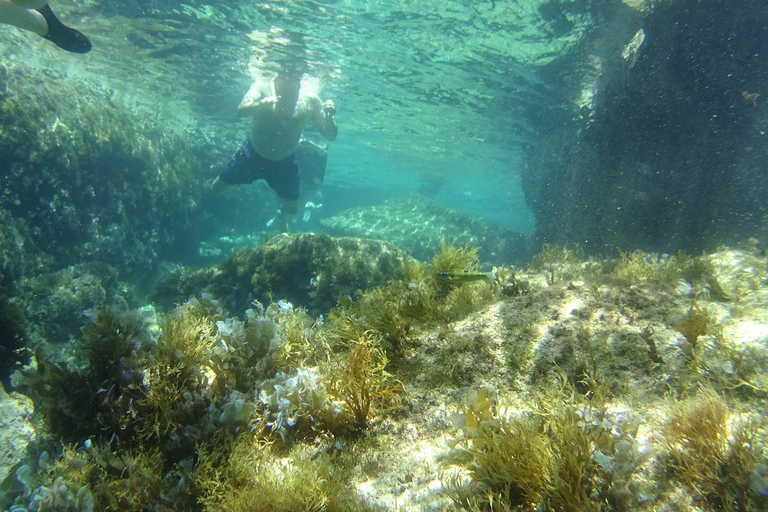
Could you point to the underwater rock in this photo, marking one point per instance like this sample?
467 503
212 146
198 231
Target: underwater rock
417 224
89 179
668 152
13 327
313 271
59 304
16 431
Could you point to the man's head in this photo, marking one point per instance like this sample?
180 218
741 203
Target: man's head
287 86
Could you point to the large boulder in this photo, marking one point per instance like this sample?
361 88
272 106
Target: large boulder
668 149
418 224
86 178
313 271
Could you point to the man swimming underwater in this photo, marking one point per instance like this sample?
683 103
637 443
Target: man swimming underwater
279 111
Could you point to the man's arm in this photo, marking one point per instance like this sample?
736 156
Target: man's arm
252 100
322 117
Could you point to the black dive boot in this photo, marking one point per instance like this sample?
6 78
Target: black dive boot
61 35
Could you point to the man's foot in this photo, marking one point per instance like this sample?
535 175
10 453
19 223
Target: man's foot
61 35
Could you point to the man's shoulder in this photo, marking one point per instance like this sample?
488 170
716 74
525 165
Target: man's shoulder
312 100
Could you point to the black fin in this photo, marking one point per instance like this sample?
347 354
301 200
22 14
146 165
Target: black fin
62 36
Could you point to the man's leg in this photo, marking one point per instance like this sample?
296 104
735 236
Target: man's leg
61 35
242 168
14 13
30 4
218 186
37 17
288 208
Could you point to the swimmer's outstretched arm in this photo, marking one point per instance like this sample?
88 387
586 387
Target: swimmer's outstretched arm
254 99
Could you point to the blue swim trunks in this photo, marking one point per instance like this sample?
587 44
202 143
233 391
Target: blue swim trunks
247 166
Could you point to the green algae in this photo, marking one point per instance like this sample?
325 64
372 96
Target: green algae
80 170
314 271
575 424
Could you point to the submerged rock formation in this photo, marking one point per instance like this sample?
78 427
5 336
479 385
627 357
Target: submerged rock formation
417 224
628 384
88 179
669 150
313 271
16 430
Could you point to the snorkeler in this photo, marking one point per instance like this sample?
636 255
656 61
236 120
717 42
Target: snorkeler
279 110
36 16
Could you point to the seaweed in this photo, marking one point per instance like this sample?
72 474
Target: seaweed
180 379
421 300
653 354
92 400
91 180
695 323
559 456
559 263
450 257
359 380
677 271
13 332
252 480
311 271
713 458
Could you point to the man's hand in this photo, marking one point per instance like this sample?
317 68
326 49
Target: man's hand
251 102
329 109
323 119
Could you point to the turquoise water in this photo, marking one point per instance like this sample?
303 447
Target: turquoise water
423 89
616 139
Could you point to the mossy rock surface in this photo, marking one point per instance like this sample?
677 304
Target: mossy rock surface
58 305
417 224
88 179
17 431
313 271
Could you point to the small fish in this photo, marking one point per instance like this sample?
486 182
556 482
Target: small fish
466 275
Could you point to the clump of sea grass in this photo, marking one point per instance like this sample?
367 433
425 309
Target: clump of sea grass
695 323
636 266
450 257
253 477
177 382
421 300
551 255
714 458
542 458
359 380
559 263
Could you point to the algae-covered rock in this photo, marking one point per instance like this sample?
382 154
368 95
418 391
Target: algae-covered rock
417 224
16 431
581 390
12 323
664 153
308 270
57 305
88 179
